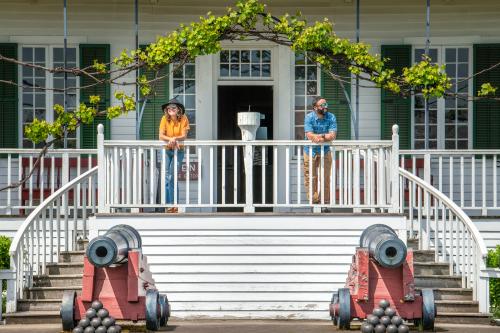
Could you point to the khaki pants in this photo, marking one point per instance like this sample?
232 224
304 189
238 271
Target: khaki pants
316 167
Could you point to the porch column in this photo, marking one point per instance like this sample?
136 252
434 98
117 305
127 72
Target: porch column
248 122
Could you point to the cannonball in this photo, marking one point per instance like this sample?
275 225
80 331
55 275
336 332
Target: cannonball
372 319
379 312
108 321
102 313
385 320
90 313
396 320
84 322
89 329
379 329
114 329
403 329
366 328
78 329
390 312
96 305
101 329
384 303
391 329
95 322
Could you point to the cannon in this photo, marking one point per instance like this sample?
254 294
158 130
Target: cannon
382 272
116 275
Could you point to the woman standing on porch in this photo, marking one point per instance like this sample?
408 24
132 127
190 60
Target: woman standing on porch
174 127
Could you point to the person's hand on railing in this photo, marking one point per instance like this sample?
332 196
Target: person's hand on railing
172 143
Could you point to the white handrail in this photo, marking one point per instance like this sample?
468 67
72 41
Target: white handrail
28 251
445 228
451 205
35 213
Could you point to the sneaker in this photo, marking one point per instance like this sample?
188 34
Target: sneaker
326 210
173 210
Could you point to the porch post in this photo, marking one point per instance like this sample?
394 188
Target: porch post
248 123
101 174
395 170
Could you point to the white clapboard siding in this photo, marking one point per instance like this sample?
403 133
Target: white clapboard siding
248 266
490 230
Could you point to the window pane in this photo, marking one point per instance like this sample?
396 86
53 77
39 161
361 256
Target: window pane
312 88
463 70
224 70
299 118
266 70
235 56
451 55
224 56
245 56
245 70
256 56
450 131
190 86
27 54
299 133
300 103
300 73
312 72
190 102
300 88
178 87
266 56
189 71
451 70
39 54
299 59
463 55
255 70
235 70
462 131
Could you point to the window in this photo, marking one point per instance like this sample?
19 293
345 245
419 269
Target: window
38 103
449 118
245 64
184 90
306 88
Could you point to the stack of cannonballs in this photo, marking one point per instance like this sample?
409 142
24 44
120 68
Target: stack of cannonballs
384 320
97 320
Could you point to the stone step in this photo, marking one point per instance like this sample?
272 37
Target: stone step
65 268
450 294
57 280
33 317
412 243
438 281
39 304
431 268
423 256
455 306
463 318
82 244
71 256
50 292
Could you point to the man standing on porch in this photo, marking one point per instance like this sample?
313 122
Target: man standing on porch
320 126
174 127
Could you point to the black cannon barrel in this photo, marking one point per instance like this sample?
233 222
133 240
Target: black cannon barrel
383 245
112 248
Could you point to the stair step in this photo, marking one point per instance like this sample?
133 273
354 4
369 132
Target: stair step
455 306
71 256
431 268
39 304
62 280
423 255
438 281
450 294
33 317
50 292
64 268
463 318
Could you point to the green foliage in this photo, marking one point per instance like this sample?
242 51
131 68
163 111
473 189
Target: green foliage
4 252
487 89
494 261
249 18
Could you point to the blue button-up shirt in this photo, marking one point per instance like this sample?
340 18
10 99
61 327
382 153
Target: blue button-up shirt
317 125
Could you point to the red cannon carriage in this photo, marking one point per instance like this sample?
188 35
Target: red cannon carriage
116 273
382 269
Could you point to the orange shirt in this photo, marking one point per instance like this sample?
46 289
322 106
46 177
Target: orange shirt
173 128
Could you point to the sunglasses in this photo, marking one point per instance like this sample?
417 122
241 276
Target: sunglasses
324 105
172 107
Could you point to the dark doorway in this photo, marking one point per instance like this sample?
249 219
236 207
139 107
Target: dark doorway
231 100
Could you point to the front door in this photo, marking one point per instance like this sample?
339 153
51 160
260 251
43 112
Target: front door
231 100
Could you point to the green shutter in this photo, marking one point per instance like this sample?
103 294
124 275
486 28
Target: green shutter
89 53
333 92
151 117
486 112
8 98
396 109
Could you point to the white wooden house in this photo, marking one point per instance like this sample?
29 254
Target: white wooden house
286 261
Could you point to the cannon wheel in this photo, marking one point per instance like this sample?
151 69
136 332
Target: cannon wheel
335 300
344 318
153 310
428 311
68 310
165 310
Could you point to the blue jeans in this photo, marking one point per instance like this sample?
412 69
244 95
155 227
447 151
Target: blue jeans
169 174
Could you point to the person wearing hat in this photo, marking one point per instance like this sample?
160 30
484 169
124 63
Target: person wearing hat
174 127
320 126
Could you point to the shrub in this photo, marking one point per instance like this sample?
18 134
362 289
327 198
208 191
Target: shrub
494 261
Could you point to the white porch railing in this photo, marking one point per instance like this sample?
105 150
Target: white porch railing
470 178
55 225
56 169
442 226
132 175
